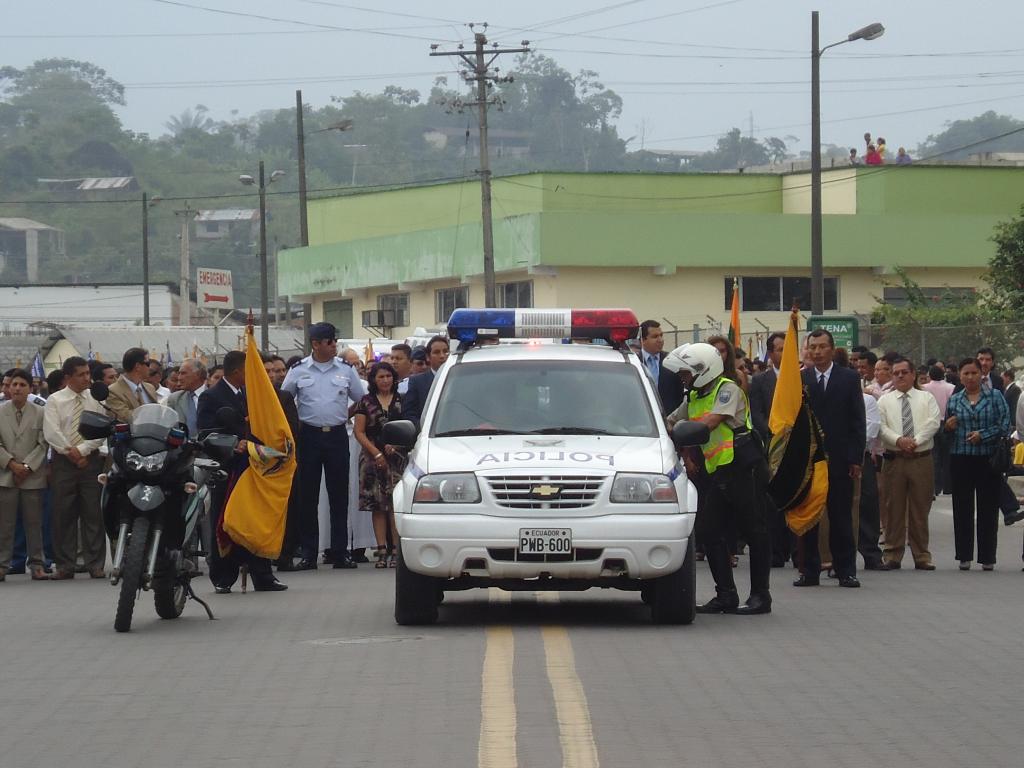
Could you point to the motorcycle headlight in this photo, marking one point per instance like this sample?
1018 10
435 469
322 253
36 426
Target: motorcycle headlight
637 488
137 462
450 488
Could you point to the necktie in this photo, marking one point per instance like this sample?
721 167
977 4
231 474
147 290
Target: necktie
190 414
821 383
17 415
652 365
908 417
76 416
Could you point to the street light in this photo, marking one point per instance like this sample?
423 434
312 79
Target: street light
264 300
870 32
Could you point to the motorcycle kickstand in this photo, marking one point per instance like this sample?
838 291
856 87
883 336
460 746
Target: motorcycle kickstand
192 595
245 577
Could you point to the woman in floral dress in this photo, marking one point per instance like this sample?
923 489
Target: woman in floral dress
380 465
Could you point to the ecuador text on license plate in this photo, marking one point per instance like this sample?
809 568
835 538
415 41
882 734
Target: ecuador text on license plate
545 541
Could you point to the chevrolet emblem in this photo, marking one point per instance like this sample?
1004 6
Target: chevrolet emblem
545 491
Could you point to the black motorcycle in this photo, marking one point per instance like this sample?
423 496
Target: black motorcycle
153 497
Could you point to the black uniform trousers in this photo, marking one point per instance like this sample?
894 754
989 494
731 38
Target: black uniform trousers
735 502
840 527
323 453
224 570
973 478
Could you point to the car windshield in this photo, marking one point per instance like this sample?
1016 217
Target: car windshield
544 397
153 420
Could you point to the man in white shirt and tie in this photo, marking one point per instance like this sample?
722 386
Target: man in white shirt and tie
192 383
75 493
909 420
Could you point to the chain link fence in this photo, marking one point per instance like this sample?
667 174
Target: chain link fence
921 342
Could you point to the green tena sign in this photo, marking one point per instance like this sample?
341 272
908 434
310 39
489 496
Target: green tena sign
845 330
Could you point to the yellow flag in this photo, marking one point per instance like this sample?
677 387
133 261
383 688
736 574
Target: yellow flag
255 513
796 455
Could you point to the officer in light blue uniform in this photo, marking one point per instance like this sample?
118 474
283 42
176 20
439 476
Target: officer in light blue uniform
323 386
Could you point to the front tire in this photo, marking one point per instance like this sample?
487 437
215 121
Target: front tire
168 591
415 595
131 574
674 597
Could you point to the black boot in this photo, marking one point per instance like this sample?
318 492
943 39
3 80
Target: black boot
758 602
725 601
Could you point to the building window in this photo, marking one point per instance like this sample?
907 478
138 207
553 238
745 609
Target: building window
516 295
399 304
777 294
339 314
447 300
211 227
944 296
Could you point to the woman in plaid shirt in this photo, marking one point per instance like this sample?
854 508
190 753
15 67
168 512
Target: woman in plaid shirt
977 418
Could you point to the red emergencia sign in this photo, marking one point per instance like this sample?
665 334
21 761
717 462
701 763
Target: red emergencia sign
213 288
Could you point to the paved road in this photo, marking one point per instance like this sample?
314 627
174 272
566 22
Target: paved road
915 669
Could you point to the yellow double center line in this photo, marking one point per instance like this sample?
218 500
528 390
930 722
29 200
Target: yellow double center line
498 712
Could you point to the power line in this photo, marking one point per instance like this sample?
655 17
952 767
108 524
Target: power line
660 17
243 14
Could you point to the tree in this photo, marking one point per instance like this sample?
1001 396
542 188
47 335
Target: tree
965 137
190 120
1006 267
734 150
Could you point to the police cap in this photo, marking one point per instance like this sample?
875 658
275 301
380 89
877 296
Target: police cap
322 332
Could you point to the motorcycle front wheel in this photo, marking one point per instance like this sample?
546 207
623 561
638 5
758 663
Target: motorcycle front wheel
131 574
168 592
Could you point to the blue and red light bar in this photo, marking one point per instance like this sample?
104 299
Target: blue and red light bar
613 325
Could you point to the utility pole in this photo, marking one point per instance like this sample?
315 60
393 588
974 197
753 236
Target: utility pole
307 309
185 313
145 259
479 72
264 308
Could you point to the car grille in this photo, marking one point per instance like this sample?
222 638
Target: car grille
578 555
537 491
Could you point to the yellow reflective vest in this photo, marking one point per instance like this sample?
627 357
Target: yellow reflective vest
718 451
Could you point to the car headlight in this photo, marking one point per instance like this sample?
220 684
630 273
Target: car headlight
450 488
136 461
636 488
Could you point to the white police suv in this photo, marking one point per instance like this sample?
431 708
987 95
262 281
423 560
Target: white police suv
544 465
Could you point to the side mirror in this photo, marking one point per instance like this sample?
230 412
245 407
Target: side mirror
220 445
95 426
99 391
687 434
402 433
230 419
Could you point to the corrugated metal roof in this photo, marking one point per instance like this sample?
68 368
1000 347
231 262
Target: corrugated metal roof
109 182
229 214
23 224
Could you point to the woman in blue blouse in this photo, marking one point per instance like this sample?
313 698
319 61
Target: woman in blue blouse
977 418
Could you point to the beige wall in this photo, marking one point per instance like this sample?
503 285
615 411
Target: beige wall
838 192
683 299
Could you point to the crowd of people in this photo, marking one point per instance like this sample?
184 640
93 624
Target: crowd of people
340 511
875 152
895 436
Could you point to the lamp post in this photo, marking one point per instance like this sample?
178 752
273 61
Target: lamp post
870 32
264 299
146 205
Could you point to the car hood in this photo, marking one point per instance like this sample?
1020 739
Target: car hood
574 453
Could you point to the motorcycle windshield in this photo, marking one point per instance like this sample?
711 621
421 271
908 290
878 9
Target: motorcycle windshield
154 421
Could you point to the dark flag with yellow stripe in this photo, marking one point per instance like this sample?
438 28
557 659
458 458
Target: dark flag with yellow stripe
796 454
255 513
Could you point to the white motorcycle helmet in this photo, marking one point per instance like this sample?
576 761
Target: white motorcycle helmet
702 360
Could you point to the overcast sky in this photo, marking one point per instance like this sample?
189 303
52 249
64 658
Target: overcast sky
687 70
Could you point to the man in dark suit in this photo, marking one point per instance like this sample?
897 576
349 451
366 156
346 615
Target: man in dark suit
652 342
419 385
762 392
990 378
838 403
228 393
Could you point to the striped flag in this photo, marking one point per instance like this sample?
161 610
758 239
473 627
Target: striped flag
169 360
796 454
38 372
734 317
90 356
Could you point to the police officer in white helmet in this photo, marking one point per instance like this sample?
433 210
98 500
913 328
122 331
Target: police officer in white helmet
736 468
